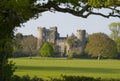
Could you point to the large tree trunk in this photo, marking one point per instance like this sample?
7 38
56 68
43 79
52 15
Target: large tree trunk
3 59
6 70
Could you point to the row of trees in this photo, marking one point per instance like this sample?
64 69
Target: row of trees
98 45
24 45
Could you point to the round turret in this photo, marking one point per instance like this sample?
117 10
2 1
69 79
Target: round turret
81 35
40 36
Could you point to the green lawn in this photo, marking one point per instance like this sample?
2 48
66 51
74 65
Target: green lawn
54 67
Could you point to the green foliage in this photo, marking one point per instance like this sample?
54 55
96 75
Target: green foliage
117 40
115 30
93 3
12 14
118 44
73 41
74 46
24 46
9 70
101 45
46 50
25 78
115 34
63 78
103 3
19 36
6 68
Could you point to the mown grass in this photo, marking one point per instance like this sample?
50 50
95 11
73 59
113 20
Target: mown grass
54 67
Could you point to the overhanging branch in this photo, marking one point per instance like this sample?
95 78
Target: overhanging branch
80 13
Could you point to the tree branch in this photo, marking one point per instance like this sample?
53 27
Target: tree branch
100 14
80 13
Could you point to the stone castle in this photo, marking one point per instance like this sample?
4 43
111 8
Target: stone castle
52 35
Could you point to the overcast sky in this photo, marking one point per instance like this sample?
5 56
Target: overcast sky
67 24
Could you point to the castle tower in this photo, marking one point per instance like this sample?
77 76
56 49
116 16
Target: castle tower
54 34
40 36
81 35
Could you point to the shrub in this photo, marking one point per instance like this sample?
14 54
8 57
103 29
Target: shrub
64 78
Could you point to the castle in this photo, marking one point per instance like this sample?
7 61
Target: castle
52 35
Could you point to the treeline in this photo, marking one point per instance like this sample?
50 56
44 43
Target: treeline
24 46
99 45
64 78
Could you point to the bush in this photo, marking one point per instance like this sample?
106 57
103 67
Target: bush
64 78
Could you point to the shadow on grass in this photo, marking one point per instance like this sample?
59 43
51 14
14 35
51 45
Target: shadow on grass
70 69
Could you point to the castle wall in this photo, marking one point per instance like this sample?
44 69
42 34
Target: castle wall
62 44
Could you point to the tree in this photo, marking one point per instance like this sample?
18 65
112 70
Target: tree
74 46
19 36
29 44
118 46
15 12
12 14
100 45
16 45
47 50
115 30
115 34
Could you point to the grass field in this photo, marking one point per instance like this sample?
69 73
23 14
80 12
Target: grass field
54 67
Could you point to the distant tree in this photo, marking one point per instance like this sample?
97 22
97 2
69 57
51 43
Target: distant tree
115 34
118 43
46 50
29 44
56 49
100 45
115 30
74 46
72 41
19 36
17 48
16 45
117 40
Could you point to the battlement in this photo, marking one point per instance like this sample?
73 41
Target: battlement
53 28
41 28
81 30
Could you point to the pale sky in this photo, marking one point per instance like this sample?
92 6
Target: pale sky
67 24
